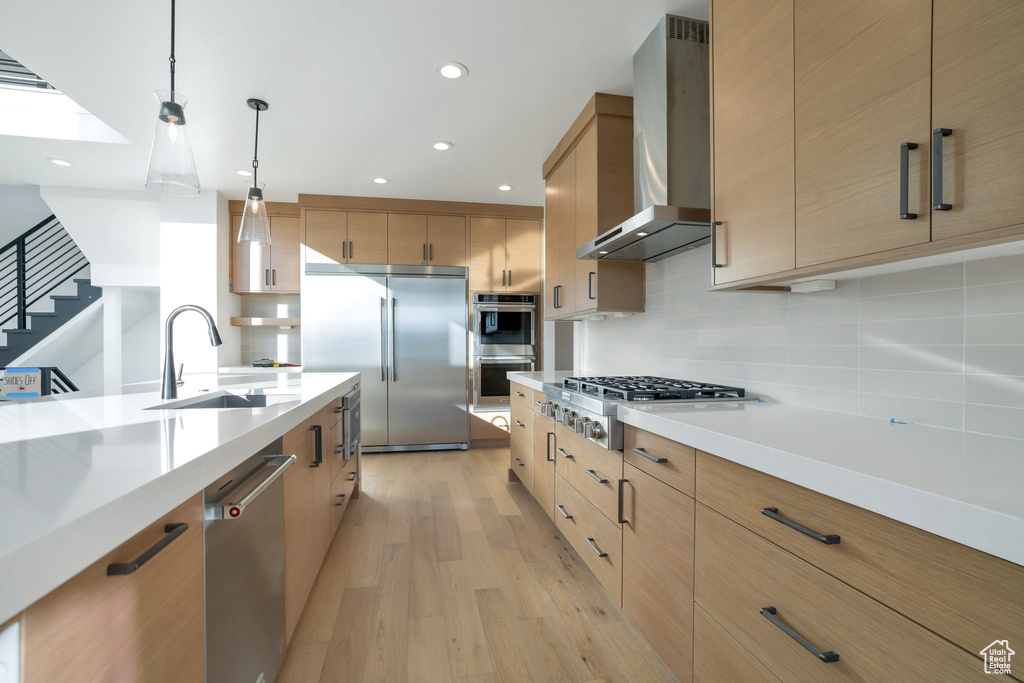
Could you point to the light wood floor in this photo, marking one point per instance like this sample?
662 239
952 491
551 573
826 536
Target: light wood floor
443 571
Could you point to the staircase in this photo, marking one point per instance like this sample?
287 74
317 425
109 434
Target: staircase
34 264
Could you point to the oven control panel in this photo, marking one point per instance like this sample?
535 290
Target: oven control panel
505 298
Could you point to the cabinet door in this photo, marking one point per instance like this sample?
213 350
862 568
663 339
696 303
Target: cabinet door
143 626
285 264
446 241
522 255
552 254
978 93
326 236
250 263
299 570
863 87
657 567
487 254
323 507
367 237
567 234
752 133
407 239
544 463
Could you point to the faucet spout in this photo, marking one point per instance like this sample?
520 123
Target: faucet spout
169 388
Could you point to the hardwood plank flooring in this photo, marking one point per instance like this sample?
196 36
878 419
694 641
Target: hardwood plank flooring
443 571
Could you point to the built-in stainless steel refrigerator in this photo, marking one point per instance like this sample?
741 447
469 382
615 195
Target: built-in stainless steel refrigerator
404 329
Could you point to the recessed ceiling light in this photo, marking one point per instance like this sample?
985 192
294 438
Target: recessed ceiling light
642 234
243 172
380 181
452 70
504 188
602 252
59 162
443 146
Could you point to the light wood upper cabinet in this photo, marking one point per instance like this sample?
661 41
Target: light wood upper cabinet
407 239
863 87
367 237
487 254
552 256
567 235
522 255
446 241
143 626
752 150
326 236
285 263
978 94
276 268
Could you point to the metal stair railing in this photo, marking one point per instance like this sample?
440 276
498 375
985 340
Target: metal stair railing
34 264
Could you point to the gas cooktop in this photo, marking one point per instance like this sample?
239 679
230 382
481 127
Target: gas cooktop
645 388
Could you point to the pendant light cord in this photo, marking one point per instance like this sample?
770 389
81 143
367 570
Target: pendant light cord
255 148
172 51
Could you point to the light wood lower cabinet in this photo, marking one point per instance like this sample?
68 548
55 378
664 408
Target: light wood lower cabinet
592 470
657 566
596 538
718 657
671 462
544 463
142 626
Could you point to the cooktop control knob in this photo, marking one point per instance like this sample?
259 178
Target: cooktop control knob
593 430
581 424
569 418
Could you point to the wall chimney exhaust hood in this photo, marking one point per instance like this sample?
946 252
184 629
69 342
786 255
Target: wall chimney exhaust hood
671 148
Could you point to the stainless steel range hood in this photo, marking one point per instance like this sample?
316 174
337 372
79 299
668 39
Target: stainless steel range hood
671 148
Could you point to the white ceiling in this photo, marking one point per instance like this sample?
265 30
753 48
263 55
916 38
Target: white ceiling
351 87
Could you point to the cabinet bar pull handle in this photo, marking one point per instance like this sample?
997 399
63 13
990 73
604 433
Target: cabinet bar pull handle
596 477
431 252
827 539
351 251
509 278
519 393
519 462
829 657
590 284
342 501
266 276
344 249
503 278
520 424
564 454
424 252
714 245
904 180
172 531
640 451
937 136
622 520
318 445
593 546
352 476
561 508
555 294
274 276
547 439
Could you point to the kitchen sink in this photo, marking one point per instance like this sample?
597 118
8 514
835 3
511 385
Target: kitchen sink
224 399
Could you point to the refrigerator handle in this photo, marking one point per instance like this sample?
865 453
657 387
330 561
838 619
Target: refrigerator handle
394 359
383 342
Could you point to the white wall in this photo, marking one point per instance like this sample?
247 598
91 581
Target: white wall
228 304
21 207
941 346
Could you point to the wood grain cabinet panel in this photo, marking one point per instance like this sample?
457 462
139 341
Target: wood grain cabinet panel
592 470
960 593
446 238
521 418
567 235
407 239
323 506
285 260
523 255
487 254
520 459
679 466
299 571
522 396
325 235
276 268
978 93
552 255
738 573
718 657
367 237
657 567
578 521
544 463
863 87
753 167
143 626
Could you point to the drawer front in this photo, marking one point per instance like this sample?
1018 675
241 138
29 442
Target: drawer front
718 657
592 470
657 566
522 395
520 422
538 400
341 496
544 464
679 467
520 460
738 573
578 520
958 592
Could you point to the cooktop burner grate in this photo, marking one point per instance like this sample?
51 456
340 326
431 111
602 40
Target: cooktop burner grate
646 388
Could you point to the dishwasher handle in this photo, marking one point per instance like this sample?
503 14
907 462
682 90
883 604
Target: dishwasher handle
276 465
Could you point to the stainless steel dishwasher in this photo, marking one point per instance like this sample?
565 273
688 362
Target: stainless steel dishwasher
244 537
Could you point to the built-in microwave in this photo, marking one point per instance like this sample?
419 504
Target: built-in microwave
492 389
504 324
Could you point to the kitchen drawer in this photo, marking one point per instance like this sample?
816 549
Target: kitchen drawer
520 421
341 496
583 463
960 593
522 395
738 573
544 464
520 459
678 468
578 520
539 399
718 657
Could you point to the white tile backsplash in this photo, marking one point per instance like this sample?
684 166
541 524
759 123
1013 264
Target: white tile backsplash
942 346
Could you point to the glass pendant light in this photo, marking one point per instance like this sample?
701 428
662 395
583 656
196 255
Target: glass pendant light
255 226
172 168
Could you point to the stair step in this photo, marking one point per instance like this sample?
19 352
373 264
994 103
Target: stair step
65 297
84 281
16 331
42 315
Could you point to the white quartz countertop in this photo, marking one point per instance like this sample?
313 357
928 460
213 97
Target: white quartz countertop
81 475
966 487
250 370
536 380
